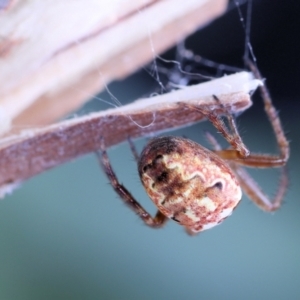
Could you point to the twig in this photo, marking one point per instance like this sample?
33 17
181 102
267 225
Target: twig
34 151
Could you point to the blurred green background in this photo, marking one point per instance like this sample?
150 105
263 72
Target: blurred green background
65 234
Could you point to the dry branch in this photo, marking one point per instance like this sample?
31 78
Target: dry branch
31 152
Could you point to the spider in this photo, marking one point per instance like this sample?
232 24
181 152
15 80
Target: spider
196 187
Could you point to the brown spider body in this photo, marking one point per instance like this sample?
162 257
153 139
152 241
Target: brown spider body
188 183
196 187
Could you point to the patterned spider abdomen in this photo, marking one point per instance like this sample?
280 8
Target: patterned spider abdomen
188 183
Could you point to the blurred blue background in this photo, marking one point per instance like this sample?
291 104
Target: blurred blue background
65 234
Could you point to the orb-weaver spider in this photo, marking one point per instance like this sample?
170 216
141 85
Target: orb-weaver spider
196 187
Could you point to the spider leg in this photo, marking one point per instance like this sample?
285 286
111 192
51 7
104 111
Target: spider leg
273 117
253 160
263 160
249 186
155 222
233 137
254 192
232 126
213 142
133 149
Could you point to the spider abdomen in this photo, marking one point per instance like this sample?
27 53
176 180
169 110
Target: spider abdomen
188 183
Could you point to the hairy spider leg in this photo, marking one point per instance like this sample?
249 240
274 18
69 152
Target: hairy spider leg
230 134
156 222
